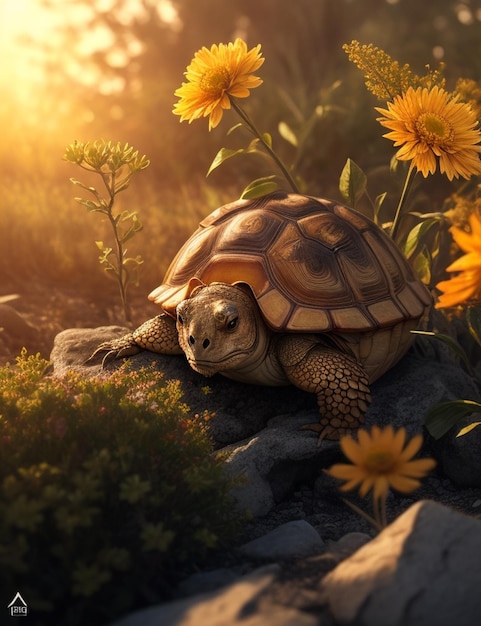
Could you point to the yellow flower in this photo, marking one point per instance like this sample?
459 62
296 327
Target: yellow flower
467 284
381 462
214 76
431 124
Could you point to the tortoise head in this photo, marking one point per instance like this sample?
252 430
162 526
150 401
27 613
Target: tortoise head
220 328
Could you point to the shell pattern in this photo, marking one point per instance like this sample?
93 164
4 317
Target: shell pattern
313 265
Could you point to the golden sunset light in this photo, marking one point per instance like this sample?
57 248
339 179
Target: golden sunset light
239 238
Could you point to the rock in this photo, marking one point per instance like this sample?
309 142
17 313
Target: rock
349 543
238 603
459 457
240 410
72 348
420 570
16 332
274 461
203 582
293 540
258 428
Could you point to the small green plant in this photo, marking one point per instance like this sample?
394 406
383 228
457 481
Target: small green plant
108 491
115 164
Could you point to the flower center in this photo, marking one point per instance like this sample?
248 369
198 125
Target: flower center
214 82
379 461
434 130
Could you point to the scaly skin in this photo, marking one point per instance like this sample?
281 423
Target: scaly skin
220 330
157 334
340 383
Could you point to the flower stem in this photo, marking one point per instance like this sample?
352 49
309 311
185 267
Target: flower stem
404 192
268 148
372 520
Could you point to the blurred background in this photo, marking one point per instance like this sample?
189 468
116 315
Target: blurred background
107 69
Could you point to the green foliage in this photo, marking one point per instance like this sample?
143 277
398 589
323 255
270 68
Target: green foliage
443 416
353 187
115 164
352 183
107 491
262 145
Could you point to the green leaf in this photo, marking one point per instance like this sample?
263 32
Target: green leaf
452 344
443 416
473 317
422 266
90 205
286 132
378 204
259 187
221 156
468 429
252 147
233 128
352 183
267 139
416 234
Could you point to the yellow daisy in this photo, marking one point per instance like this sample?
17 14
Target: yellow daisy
214 76
431 125
467 284
380 461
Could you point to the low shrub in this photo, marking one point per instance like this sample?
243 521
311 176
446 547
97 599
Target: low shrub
108 492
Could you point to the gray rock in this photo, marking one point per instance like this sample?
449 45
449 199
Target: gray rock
239 410
292 540
459 457
423 569
349 543
406 392
203 582
273 461
239 603
258 428
72 348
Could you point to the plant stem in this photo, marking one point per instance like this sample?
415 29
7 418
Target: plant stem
109 182
372 520
404 193
250 124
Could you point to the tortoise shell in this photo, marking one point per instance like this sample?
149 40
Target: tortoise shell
313 265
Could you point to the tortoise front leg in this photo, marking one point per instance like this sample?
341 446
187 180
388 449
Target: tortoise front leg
158 334
340 383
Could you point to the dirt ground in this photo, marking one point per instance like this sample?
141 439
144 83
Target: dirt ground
32 316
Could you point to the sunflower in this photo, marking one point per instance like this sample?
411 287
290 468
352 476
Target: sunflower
467 284
214 77
380 461
431 124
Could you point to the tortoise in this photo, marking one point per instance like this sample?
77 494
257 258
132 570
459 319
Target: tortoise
288 289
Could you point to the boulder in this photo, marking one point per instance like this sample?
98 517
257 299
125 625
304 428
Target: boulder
459 457
259 428
236 604
423 569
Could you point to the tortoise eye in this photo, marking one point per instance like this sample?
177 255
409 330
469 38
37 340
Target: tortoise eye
180 319
232 324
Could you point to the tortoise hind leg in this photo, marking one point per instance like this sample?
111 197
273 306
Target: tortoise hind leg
158 334
338 380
